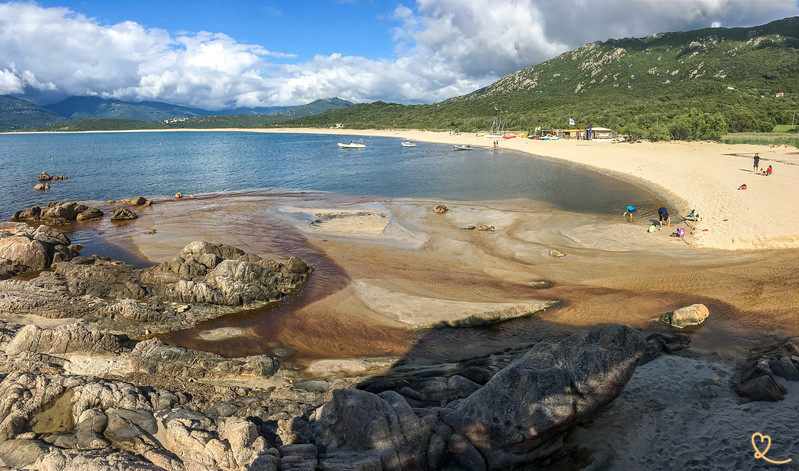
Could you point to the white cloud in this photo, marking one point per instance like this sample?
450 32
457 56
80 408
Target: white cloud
444 48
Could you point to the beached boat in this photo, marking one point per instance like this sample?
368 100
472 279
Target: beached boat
408 144
352 145
464 147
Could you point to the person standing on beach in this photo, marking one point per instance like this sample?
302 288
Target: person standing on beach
663 214
630 211
757 161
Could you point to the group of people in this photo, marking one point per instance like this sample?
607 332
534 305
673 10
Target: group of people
766 171
663 215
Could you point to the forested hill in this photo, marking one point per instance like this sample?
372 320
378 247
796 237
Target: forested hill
736 79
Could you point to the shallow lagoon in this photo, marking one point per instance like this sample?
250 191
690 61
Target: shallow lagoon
104 166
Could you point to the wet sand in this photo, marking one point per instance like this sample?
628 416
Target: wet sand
612 271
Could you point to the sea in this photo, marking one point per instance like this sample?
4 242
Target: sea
117 165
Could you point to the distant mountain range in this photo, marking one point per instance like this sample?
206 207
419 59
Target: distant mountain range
16 114
679 85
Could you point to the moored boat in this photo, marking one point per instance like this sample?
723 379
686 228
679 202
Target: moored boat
408 144
463 147
352 145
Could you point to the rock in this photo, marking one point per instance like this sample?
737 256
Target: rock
694 314
41 186
440 209
110 201
57 213
150 232
470 227
556 253
383 429
44 177
213 279
483 227
183 308
123 214
191 197
757 382
72 338
25 249
138 201
155 357
89 213
178 195
543 393
19 454
541 284
32 254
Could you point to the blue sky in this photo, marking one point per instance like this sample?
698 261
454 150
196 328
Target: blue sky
302 28
222 54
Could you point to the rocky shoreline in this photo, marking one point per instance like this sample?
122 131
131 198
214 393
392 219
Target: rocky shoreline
88 384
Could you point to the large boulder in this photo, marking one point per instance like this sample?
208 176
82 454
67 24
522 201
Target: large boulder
28 249
549 389
58 213
694 314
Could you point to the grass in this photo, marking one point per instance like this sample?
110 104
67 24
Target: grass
784 128
762 138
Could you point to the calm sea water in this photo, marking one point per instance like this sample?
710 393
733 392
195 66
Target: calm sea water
103 166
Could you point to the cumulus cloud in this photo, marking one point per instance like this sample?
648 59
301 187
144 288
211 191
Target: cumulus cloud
444 48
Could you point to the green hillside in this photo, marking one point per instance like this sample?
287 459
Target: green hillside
689 85
16 114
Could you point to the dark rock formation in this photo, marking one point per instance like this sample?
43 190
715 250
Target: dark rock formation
497 412
757 382
154 356
216 279
24 249
123 214
58 213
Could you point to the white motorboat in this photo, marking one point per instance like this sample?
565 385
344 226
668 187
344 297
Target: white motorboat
408 144
463 147
352 145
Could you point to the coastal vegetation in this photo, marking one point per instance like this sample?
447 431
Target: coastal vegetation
702 84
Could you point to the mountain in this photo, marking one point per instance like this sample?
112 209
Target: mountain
85 113
730 79
86 107
21 114
90 107
313 108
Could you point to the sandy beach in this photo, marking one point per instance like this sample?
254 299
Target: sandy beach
704 176
387 269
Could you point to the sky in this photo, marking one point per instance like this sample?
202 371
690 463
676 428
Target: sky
216 55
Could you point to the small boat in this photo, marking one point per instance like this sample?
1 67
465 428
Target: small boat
352 145
463 147
408 144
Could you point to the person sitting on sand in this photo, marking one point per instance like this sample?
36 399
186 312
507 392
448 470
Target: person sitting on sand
663 214
768 171
630 211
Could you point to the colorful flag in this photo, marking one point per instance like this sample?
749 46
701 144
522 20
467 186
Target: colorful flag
571 122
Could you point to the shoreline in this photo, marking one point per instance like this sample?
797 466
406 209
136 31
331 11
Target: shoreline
702 176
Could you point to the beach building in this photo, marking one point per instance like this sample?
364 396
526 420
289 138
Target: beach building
595 132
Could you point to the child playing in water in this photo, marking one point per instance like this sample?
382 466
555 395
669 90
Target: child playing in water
630 211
